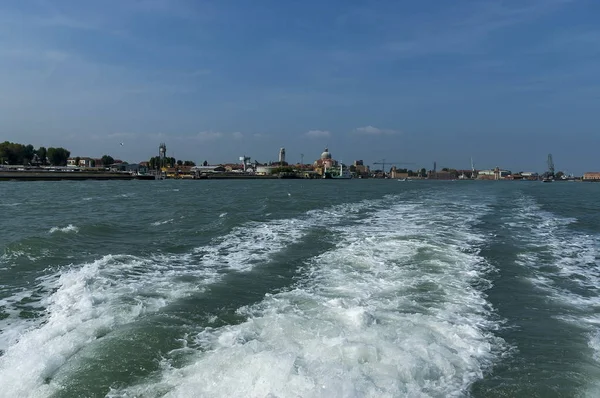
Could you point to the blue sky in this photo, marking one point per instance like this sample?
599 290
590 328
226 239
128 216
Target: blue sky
506 82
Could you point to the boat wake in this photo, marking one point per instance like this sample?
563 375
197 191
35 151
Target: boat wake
397 308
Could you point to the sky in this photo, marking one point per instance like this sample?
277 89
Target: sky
413 82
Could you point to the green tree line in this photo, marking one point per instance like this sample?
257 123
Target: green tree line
155 162
18 154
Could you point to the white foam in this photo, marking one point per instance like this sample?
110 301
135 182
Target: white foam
391 311
573 279
12 326
157 223
68 228
87 301
117 289
573 255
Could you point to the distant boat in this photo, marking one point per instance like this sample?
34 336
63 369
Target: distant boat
547 179
402 179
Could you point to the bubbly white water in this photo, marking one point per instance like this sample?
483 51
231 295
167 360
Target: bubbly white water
575 261
89 300
157 223
396 309
68 228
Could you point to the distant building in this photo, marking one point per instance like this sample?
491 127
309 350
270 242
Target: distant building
87 162
394 173
442 175
493 174
265 170
465 174
83 162
281 156
129 167
591 176
206 170
362 171
326 160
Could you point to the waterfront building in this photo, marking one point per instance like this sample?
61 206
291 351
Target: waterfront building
200 170
326 160
442 175
265 170
591 176
361 170
493 174
129 167
395 173
83 162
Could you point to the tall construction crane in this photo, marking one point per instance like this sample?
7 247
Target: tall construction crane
383 162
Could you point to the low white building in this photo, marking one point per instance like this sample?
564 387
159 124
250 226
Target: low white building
265 170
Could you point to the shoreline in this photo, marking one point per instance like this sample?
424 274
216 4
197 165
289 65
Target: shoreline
104 176
58 176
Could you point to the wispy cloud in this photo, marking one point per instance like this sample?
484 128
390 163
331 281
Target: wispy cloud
371 130
237 135
318 134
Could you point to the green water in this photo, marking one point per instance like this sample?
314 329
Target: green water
299 288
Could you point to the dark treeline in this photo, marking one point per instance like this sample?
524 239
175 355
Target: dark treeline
154 162
26 155
18 154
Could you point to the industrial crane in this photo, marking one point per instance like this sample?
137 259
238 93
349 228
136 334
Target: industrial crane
383 162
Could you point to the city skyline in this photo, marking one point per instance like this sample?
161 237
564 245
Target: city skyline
503 82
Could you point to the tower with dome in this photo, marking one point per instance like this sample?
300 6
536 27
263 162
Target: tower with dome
326 161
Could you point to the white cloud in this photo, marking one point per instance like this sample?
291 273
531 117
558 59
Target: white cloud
371 130
237 135
318 133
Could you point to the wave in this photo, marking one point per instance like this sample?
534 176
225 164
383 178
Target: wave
564 264
10 204
157 223
86 301
396 308
68 228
